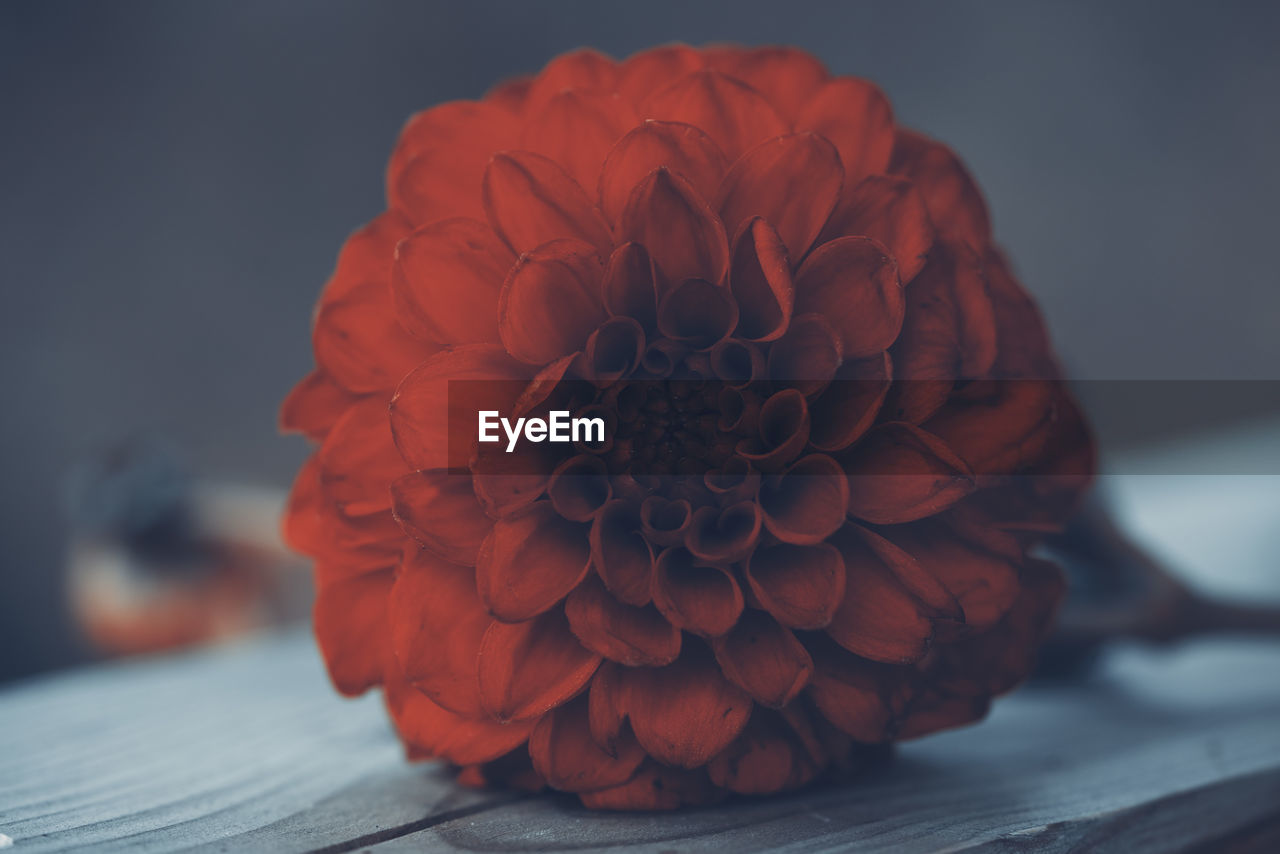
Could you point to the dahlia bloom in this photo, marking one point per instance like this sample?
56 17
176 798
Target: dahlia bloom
835 434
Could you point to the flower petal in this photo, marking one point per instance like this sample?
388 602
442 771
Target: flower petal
359 341
888 209
680 148
358 460
906 569
849 405
584 69
686 712
731 112
644 71
351 627
578 129
724 535
899 473
855 115
437 622
682 233
791 181
437 732
760 279
550 302
853 283
529 668
564 753
764 659
788 77
955 204
620 553
632 284
613 351
807 357
655 787
862 698
877 619
439 161
440 510
984 582
446 280
530 561
630 635
801 586
579 487
697 313
694 596
783 428
529 200
314 405
806 504
427 419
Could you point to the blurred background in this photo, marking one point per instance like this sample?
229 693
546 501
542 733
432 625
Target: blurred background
176 180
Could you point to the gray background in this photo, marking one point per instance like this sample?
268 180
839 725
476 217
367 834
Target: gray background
175 180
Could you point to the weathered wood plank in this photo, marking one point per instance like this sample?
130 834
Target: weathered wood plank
247 748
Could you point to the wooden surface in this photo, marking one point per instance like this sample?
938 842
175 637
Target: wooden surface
247 748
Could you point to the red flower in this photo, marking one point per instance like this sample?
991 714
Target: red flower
799 538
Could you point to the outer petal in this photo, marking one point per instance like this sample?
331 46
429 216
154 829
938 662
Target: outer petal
630 635
955 204
584 69
792 181
855 115
984 582
564 753
358 460
685 713
577 129
529 668
860 697
731 112
435 731
359 342
351 626
899 473
422 406
530 561
446 280
760 278
764 659
786 76
530 200
878 619
853 283
440 510
801 586
682 149
890 210
437 622
437 166
640 74
314 405
551 302
683 235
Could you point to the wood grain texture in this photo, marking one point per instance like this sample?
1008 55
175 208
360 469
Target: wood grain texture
248 749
